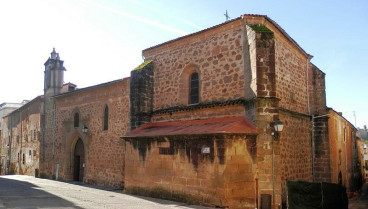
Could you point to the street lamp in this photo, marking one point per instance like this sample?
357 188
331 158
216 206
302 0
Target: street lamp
84 128
278 127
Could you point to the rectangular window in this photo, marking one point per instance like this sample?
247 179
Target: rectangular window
30 152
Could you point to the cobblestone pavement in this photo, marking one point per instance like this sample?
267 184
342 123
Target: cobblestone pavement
362 201
28 192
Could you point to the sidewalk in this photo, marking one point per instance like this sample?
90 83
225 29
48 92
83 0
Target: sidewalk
362 201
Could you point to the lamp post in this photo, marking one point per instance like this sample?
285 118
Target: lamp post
278 127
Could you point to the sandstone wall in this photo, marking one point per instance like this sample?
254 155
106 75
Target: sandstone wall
341 138
291 76
230 110
5 139
281 94
295 149
317 90
175 168
104 150
216 55
141 95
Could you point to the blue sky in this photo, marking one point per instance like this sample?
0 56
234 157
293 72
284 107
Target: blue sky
102 40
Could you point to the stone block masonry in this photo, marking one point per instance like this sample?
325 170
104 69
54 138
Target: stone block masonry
223 177
141 94
217 57
22 135
103 149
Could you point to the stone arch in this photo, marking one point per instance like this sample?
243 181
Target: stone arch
185 83
79 157
70 143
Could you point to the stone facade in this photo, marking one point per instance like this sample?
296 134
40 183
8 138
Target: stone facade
21 139
101 151
362 160
222 177
247 67
342 143
141 95
5 109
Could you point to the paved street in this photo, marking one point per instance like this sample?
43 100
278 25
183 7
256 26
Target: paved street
362 201
28 192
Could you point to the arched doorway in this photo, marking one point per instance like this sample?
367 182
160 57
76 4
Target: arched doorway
78 161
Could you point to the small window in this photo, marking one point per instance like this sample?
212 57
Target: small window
106 118
76 120
24 158
194 89
30 152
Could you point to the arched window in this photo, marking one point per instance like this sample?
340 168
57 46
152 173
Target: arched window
76 120
194 88
106 119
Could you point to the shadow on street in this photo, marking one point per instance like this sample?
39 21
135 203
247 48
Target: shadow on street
20 194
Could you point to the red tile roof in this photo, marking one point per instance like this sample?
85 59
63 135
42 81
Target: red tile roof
231 125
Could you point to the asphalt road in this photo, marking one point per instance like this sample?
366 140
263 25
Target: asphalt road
28 192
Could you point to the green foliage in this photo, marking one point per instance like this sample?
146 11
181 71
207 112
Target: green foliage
143 65
260 28
266 33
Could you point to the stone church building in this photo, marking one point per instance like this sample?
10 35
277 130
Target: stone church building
196 121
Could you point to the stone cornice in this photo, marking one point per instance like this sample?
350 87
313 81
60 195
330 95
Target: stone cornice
202 105
294 113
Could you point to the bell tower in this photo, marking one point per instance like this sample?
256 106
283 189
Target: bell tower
54 74
53 81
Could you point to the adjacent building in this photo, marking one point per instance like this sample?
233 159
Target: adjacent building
21 133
